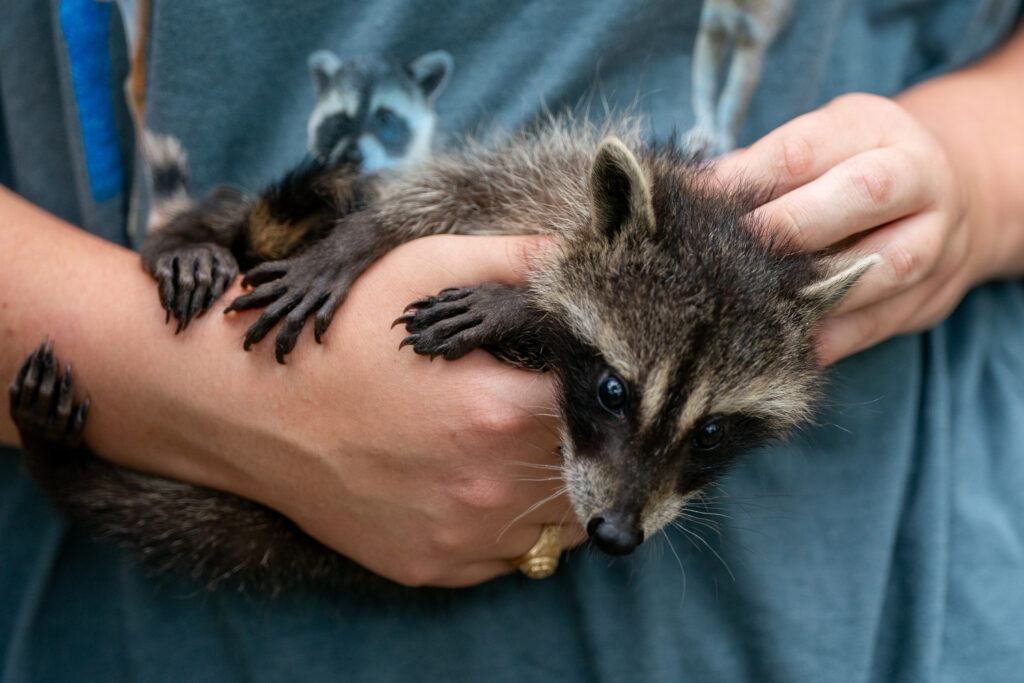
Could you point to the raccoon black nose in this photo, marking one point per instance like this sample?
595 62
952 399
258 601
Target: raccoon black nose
614 536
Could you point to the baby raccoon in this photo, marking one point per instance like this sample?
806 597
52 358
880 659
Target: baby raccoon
678 337
372 114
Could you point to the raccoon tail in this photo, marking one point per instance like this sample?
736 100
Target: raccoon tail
167 169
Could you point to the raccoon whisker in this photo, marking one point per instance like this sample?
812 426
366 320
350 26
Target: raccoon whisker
700 515
693 534
688 535
706 513
561 490
538 447
537 465
714 529
532 407
682 571
537 417
832 403
504 480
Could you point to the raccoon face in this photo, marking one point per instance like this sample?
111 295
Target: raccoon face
660 399
376 113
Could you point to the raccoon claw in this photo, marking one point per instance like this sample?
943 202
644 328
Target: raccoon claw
265 272
291 294
42 400
401 320
445 295
190 279
456 321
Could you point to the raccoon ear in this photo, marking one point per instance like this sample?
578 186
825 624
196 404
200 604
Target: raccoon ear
826 294
431 72
323 64
619 189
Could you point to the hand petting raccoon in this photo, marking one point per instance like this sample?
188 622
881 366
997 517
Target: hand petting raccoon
866 174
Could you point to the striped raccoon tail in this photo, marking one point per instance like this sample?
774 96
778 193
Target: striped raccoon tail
167 169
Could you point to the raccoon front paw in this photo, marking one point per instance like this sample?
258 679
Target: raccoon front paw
459 320
191 278
292 290
42 401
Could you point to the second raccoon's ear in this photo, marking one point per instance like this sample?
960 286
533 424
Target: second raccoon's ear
620 192
431 72
826 294
323 64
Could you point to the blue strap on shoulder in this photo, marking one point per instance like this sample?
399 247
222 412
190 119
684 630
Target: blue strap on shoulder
85 25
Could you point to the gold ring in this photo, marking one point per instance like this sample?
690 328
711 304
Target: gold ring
541 561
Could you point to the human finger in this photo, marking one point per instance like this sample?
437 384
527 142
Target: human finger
867 190
910 250
485 570
911 311
804 148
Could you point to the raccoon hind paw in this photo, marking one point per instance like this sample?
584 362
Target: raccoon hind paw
42 400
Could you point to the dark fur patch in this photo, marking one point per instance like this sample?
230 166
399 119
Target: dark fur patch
301 208
168 180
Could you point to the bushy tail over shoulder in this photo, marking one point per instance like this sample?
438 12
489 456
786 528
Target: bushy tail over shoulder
167 170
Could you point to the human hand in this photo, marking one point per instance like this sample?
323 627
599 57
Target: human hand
426 473
863 175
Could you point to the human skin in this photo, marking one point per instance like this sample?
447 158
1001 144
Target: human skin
414 469
929 180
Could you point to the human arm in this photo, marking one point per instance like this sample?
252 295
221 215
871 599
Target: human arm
408 467
929 180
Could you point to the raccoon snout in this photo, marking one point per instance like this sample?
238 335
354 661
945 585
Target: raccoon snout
613 534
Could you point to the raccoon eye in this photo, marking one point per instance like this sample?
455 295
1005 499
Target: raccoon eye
709 435
390 129
611 394
386 117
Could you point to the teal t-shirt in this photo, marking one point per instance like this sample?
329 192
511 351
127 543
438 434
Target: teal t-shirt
885 543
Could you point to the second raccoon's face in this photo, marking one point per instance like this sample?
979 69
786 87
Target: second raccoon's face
680 349
373 112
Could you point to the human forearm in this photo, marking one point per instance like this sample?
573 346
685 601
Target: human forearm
95 301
